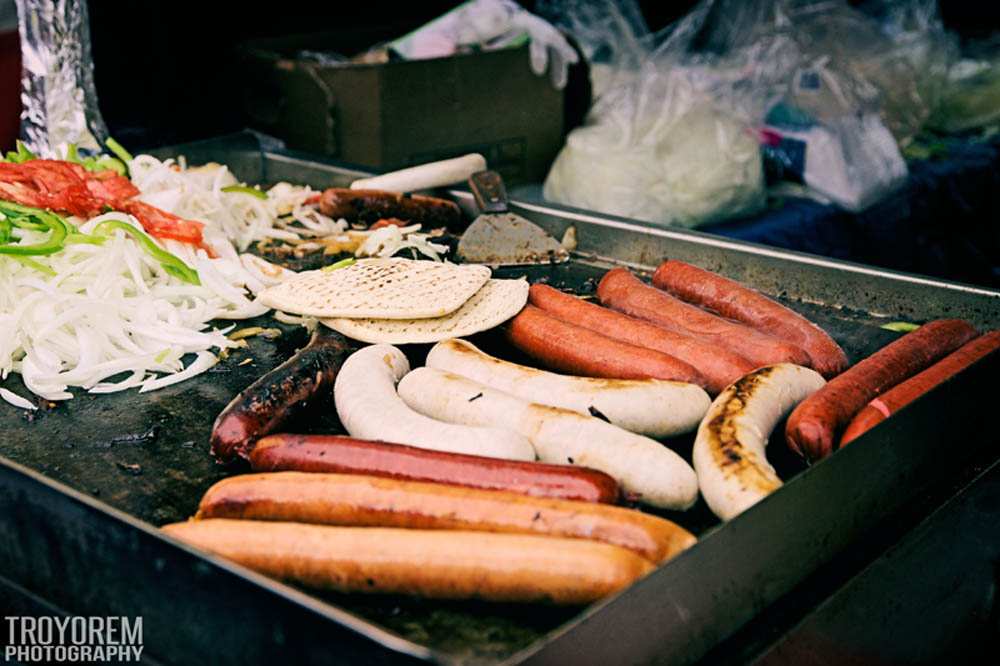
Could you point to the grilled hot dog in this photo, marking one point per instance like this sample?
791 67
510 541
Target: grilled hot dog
431 563
290 389
346 455
735 301
368 501
580 351
906 392
720 367
621 290
814 425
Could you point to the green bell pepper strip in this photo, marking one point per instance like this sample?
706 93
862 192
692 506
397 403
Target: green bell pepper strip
26 223
343 263
900 326
22 154
89 239
107 163
171 263
31 263
243 189
57 228
119 151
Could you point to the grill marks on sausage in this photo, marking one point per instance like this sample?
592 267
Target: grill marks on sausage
733 457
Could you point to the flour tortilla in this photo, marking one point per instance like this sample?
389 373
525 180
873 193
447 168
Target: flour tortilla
379 289
495 303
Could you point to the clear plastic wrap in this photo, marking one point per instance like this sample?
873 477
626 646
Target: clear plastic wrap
828 89
664 141
58 98
971 98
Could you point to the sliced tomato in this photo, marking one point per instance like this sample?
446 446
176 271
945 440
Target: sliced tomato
109 186
69 188
162 224
388 222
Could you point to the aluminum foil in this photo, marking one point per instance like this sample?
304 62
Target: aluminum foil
58 98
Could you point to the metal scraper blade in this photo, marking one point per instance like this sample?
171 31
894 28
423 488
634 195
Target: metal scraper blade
508 240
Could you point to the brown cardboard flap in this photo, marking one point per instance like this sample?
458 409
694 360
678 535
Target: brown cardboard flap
397 114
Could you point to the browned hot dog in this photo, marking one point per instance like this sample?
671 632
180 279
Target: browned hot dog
290 389
906 392
720 367
346 455
748 306
813 427
368 501
370 206
570 348
431 563
621 290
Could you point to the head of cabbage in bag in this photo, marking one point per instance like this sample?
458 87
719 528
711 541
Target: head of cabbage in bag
688 165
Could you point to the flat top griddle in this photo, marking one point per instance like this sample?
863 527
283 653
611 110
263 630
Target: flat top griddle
147 455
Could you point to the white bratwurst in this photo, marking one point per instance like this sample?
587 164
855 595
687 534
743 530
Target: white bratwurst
646 469
369 408
651 407
729 450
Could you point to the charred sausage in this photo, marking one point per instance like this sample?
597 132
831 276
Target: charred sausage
290 389
370 206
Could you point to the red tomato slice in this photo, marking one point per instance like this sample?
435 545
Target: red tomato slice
68 187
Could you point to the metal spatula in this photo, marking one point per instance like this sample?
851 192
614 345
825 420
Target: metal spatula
500 238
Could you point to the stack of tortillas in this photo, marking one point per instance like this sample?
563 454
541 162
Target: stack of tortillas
401 301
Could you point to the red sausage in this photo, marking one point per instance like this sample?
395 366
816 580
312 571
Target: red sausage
346 455
570 348
735 301
902 394
720 367
812 428
370 206
290 389
621 290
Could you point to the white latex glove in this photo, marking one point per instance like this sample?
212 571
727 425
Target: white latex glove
481 22
548 48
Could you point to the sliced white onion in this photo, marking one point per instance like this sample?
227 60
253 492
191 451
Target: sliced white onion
202 362
16 400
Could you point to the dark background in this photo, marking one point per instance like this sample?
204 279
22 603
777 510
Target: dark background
166 70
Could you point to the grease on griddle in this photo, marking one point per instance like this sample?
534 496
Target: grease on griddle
134 469
137 438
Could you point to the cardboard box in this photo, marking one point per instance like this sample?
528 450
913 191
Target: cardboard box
397 114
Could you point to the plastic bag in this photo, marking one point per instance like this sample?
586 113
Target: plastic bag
829 90
664 142
971 97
